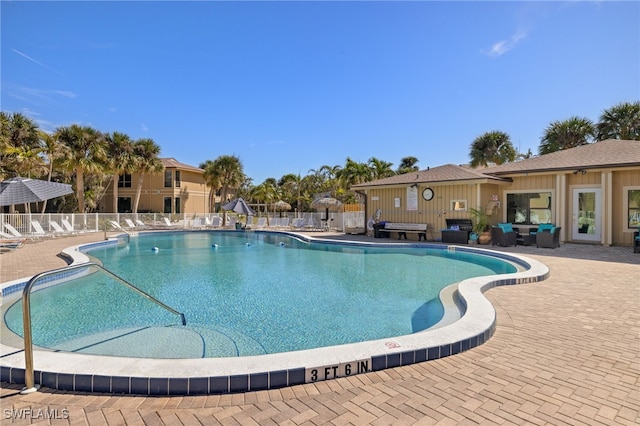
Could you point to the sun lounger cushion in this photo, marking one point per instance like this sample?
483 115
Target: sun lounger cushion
506 227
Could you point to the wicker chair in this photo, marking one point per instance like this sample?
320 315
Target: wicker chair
502 238
548 239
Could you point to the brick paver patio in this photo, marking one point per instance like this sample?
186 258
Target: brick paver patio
565 351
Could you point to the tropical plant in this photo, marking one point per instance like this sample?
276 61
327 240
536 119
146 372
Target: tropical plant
481 220
570 133
19 145
86 153
492 147
380 169
621 121
121 160
225 173
146 160
53 153
407 165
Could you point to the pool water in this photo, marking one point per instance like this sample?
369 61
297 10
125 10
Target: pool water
246 294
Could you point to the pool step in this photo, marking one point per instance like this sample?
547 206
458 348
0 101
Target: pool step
165 342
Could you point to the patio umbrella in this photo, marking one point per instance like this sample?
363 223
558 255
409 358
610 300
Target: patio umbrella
19 190
239 206
329 203
281 206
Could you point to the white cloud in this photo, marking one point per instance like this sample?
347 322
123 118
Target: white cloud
144 127
501 47
36 96
65 93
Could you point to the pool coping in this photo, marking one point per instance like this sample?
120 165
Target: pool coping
151 376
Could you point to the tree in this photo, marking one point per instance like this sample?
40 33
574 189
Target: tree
380 169
121 159
86 153
211 179
146 160
560 135
265 192
492 147
53 153
621 121
407 164
226 173
19 145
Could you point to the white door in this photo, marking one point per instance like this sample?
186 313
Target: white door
587 214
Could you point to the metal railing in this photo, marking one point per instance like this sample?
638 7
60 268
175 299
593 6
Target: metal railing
26 314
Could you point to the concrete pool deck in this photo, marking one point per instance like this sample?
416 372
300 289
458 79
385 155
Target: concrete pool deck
565 350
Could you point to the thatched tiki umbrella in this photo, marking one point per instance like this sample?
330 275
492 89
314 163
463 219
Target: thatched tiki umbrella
328 203
281 206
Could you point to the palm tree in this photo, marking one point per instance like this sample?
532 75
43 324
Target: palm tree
380 169
86 154
211 180
226 173
566 134
121 160
19 144
492 147
266 192
146 160
53 152
407 164
621 121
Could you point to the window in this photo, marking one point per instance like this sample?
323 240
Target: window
529 207
177 178
124 204
124 181
633 207
168 179
459 205
167 205
177 200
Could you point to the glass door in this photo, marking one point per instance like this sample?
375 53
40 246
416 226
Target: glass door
587 214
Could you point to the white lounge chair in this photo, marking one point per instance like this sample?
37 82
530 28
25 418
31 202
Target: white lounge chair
262 222
167 221
298 223
216 222
68 226
130 223
16 234
116 225
57 229
141 224
38 230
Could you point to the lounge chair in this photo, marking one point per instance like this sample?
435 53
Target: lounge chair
298 224
69 227
38 230
16 234
130 223
116 225
216 222
167 221
548 238
11 244
57 229
141 224
262 222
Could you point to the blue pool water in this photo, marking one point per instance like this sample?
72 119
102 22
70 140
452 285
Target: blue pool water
246 294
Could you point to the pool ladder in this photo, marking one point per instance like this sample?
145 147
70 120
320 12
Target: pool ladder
26 314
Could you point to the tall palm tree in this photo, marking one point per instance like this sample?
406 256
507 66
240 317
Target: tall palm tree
146 160
621 121
380 168
211 179
86 153
53 152
122 158
227 173
492 147
560 135
407 164
266 192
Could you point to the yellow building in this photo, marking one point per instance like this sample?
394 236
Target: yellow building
179 189
592 192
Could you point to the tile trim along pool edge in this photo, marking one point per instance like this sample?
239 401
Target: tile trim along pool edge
146 376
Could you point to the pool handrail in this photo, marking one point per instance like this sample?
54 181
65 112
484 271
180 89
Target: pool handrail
26 315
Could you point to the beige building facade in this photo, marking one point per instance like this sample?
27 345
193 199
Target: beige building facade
178 189
592 192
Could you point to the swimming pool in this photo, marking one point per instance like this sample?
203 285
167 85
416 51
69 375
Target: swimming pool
75 371
247 294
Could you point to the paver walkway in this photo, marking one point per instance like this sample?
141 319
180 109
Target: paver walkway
565 351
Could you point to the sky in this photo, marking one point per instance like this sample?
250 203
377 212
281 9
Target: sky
291 86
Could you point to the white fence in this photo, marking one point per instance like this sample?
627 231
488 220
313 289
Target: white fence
25 223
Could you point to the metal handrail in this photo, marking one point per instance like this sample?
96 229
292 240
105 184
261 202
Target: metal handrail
26 315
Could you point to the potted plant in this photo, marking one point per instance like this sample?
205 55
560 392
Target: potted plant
481 225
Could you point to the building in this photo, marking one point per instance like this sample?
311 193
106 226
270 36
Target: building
179 189
591 191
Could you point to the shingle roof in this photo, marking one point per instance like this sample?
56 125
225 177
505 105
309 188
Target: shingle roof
603 154
172 163
446 173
